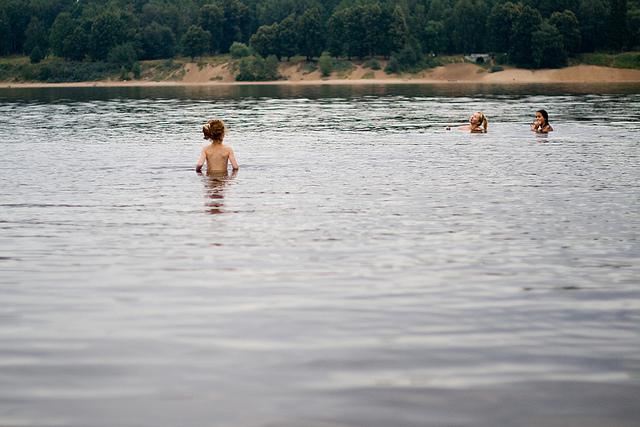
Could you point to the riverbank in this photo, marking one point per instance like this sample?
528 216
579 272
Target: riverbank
194 74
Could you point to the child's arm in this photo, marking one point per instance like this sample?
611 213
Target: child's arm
200 162
232 159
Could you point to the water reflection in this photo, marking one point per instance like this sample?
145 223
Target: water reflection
286 91
215 184
369 261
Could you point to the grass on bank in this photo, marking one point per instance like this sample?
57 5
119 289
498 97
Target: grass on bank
620 60
57 70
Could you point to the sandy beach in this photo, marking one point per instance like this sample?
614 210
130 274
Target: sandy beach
465 73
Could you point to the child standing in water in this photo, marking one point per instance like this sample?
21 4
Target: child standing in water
541 123
217 155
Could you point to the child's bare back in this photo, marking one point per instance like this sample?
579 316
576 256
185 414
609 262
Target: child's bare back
216 155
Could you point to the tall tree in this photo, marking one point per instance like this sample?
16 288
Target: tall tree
287 38
18 16
36 35
196 41
157 41
524 26
547 7
62 28
468 31
633 24
76 45
500 25
399 30
5 33
108 30
435 37
212 19
265 40
567 23
548 47
593 16
236 25
617 26
312 33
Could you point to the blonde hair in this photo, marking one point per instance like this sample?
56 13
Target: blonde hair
482 121
214 130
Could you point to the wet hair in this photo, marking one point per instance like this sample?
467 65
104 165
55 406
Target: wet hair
483 120
545 116
214 130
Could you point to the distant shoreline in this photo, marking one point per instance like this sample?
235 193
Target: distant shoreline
460 73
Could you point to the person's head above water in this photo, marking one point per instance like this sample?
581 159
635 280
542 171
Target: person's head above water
214 130
478 119
542 117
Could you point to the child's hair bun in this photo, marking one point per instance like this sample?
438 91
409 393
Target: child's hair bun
214 130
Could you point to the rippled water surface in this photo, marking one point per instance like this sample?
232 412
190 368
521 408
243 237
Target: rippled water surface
364 267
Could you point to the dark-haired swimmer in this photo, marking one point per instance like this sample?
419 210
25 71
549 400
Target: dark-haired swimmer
541 123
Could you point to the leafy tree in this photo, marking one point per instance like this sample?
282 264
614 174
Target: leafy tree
167 14
311 33
18 17
265 40
399 30
5 33
268 12
239 50
547 7
417 20
36 35
633 24
468 31
107 31
47 10
439 10
236 24
76 45
567 23
548 47
617 26
500 25
435 37
375 23
62 28
37 55
157 41
408 58
212 19
287 38
593 16
528 21
325 63
196 41
123 54
359 31
256 68
338 43
136 70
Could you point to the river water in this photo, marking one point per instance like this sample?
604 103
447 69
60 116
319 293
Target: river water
364 267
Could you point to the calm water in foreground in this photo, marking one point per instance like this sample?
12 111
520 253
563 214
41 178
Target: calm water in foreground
364 268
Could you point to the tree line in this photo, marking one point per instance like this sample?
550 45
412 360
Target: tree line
527 33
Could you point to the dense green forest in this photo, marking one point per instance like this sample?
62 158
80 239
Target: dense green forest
525 33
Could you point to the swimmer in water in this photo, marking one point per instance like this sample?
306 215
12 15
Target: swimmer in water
478 123
541 123
216 155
